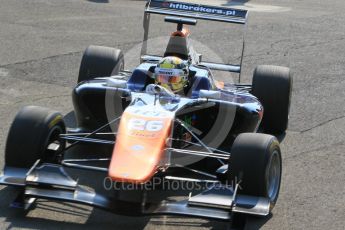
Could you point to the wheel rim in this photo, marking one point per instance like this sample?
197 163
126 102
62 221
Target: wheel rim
273 175
53 137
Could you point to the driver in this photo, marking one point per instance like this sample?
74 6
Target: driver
172 73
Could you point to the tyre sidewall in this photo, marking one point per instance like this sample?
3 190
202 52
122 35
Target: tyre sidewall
28 136
249 164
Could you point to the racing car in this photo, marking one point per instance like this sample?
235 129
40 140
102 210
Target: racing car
208 133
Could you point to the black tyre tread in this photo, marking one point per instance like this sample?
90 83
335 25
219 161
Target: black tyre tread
28 134
272 85
100 61
238 220
249 157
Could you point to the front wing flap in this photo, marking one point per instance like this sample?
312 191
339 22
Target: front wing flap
214 203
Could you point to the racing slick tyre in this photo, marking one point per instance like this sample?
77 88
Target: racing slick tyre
100 61
272 85
255 163
34 128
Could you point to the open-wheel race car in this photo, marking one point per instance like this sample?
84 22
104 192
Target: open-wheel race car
169 119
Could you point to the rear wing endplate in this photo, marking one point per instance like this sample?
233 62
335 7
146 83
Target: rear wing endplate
197 11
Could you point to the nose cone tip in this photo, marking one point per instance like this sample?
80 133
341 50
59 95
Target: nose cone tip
130 178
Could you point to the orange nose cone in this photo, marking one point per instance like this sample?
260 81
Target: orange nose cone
140 146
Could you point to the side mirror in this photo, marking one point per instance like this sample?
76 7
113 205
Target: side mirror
210 94
116 83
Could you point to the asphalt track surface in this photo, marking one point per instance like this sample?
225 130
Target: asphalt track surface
41 43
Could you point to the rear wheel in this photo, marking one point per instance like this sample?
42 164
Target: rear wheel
33 130
100 61
256 162
272 85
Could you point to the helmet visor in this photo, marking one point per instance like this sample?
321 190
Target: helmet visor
164 75
168 79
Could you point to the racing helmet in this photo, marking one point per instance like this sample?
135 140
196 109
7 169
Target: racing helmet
172 73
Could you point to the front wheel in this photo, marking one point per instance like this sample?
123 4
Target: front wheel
32 132
256 163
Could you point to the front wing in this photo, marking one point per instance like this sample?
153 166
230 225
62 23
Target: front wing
50 181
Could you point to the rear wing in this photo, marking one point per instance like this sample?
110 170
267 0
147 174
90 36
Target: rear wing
197 11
